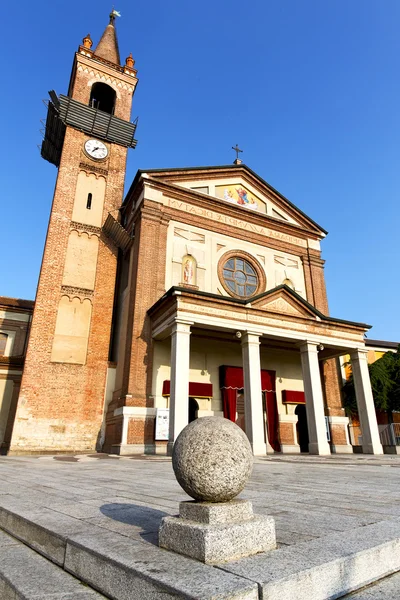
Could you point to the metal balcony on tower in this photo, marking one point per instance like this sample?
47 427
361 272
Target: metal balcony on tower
64 110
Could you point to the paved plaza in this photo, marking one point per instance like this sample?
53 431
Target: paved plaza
314 500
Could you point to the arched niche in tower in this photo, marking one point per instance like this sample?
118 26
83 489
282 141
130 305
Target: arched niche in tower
102 97
81 260
89 199
72 331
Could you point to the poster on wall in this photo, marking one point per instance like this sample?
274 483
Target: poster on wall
162 424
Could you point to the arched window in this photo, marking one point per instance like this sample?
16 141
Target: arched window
240 274
102 97
3 343
89 201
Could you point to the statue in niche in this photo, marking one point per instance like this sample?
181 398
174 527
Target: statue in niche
189 270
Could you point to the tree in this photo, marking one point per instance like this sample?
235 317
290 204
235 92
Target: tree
385 382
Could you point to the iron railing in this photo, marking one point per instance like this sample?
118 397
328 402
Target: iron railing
390 435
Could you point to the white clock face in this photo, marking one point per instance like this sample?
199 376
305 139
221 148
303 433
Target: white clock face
96 149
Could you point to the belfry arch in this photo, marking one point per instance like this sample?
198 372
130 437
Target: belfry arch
103 97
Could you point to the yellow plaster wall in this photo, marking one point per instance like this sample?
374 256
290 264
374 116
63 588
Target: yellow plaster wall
81 260
72 331
206 356
89 183
6 392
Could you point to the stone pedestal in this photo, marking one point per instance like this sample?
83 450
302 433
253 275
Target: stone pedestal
214 533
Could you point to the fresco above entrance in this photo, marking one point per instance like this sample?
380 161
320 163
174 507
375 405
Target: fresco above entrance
238 194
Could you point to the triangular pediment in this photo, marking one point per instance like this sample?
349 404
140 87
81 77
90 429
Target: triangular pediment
240 186
284 301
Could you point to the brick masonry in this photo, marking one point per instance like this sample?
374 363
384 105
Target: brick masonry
60 406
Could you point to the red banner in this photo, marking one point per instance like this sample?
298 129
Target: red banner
291 397
196 390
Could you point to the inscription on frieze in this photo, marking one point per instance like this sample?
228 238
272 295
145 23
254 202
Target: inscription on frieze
234 222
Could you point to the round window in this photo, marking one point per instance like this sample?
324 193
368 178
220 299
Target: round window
240 277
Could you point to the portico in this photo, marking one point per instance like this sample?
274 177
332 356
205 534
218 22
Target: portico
276 321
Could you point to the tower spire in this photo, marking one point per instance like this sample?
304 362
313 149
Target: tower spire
107 47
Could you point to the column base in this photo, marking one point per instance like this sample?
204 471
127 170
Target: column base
321 449
125 449
372 449
259 449
216 533
290 449
341 449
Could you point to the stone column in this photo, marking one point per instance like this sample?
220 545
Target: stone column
179 398
253 408
365 403
318 443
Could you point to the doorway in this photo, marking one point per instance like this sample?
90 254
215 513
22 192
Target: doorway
193 409
302 427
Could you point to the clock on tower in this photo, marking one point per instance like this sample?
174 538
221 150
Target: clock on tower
88 133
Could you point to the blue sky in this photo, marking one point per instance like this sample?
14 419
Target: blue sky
309 89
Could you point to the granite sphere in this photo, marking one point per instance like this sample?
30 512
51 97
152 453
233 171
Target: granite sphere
212 459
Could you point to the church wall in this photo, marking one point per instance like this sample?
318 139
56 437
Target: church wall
6 393
14 323
207 248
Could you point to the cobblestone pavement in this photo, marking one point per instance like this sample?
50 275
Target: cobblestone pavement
308 496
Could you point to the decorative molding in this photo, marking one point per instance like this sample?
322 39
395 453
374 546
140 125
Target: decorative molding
94 168
70 290
86 228
282 306
285 262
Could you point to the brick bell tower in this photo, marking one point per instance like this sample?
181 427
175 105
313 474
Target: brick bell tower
88 133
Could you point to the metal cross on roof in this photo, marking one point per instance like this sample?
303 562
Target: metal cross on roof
237 160
237 150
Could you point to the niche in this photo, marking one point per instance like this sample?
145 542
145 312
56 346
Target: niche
72 331
89 199
81 260
189 270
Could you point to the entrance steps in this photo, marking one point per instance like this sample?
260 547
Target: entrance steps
61 553
26 575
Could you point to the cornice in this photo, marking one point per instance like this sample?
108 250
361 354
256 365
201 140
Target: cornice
103 68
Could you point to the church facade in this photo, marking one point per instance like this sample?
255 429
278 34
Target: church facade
201 293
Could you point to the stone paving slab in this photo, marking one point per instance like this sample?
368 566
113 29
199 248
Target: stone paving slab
121 501
386 589
126 570
325 568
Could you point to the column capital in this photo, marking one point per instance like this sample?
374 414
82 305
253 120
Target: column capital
308 347
250 337
358 353
181 326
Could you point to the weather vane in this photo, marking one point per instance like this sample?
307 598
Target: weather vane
237 160
114 13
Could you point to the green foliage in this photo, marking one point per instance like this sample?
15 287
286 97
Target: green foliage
385 382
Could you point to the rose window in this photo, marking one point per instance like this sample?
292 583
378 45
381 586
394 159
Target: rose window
240 277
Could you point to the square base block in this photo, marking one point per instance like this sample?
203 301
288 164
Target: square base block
219 536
